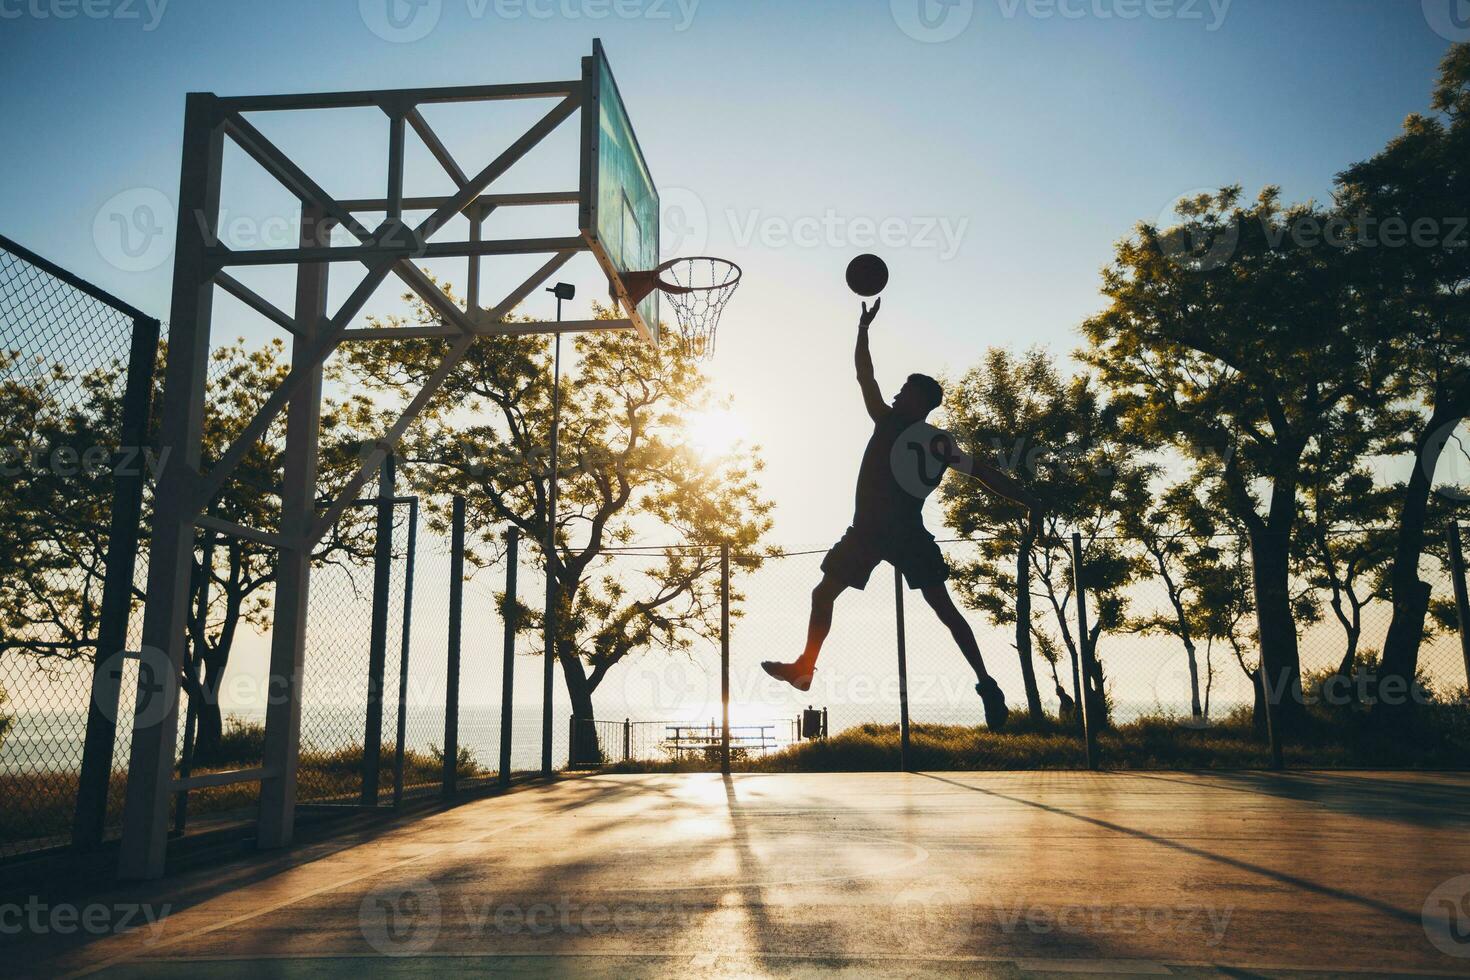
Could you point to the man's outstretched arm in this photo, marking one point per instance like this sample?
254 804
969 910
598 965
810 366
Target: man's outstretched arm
993 479
867 381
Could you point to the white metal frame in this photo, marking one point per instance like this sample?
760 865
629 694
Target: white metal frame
184 491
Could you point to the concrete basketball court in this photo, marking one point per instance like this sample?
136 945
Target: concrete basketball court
975 874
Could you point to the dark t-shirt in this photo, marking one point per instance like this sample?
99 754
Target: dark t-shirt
904 462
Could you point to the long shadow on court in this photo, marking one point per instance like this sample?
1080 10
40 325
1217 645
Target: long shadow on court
1295 881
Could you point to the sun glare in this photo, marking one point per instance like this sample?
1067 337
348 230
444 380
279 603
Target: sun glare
714 433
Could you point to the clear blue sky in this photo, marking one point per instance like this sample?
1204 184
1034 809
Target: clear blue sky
1035 136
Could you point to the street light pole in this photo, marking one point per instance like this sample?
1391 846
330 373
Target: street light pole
562 291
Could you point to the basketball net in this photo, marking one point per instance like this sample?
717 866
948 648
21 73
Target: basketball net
699 288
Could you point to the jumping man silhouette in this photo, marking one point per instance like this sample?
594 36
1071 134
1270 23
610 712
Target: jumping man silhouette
905 460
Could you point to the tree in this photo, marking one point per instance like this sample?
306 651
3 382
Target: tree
627 470
1220 584
1341 542
1057 438
1235 338
57 498
1407 206
233 579
1170 529
58 430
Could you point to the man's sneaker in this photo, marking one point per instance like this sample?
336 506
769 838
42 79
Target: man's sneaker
792 674
996 711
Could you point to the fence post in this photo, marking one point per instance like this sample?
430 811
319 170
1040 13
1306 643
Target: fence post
1089 669
627 739
725 658
90 818
1462 597
903 674
372 735
456 624
401 729
508 670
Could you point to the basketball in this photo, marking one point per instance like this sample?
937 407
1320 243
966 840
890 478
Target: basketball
867 275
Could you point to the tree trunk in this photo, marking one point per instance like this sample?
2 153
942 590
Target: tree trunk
1023 629
1409 593
1195 707
1280 660
1259 725
584 749
1350 658
1097 704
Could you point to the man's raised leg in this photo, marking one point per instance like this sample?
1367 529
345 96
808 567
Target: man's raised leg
799 674
949 614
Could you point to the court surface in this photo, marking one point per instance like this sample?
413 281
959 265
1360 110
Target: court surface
974 874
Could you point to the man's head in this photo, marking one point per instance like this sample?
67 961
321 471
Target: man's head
919 396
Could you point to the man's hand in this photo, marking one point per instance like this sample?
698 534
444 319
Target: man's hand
870 315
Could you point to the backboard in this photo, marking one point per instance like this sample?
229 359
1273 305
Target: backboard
620 205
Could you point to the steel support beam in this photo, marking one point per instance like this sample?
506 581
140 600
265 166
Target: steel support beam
421 400
414 96
486 328
293 562
487 201
255 301
171 550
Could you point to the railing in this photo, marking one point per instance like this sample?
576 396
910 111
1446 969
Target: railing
596 742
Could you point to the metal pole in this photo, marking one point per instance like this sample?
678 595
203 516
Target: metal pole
456 625
550 546
1462 598
627 739
171 547
507 674
90 818
293 561
372 735
725 657
1089 721
903 675
401 731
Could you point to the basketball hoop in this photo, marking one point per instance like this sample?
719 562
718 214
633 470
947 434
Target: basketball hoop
699 287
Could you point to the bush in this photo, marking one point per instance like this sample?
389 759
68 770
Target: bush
1440 738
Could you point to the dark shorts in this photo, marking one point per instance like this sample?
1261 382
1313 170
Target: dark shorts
911 550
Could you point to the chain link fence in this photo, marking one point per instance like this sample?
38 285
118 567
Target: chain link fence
1179 664
384 701
74 368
